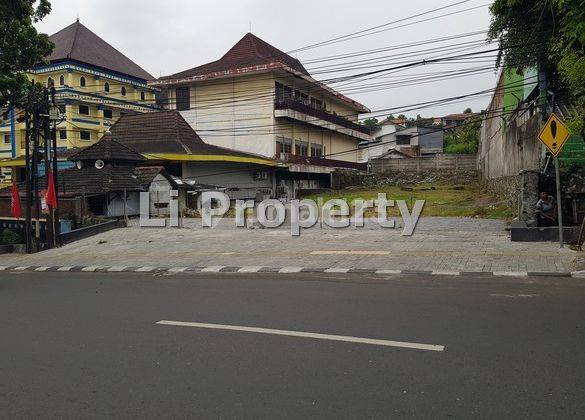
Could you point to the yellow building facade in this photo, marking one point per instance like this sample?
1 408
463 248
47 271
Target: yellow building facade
95 84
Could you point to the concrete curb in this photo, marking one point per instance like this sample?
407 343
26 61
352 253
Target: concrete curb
282 270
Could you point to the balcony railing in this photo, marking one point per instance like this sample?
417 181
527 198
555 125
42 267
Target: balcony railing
320 161
299 106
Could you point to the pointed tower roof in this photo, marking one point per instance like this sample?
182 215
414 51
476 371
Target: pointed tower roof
247 52
76 42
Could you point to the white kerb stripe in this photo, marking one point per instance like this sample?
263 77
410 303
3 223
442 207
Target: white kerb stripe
42 268
91 268
290 269
252 269
212 269
64 268
3 268
337 270
178 269
511 273
445 273
117 268
144 269
348 339
21 268
388 271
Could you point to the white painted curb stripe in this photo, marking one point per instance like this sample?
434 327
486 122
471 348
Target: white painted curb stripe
445 273
388 271
3 268
250 269
144 269
290 270
91 268
337 270
178 269
42 268
578 274
64 268
21 268
511 273
213 269
360 340
117 268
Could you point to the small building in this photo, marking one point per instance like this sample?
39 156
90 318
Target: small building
407 142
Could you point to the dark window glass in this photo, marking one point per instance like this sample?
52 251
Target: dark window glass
84 135
63 134
301 149
7 139
106 87
107 113
316 150
82 81
61 80
83 109
142 96
403 139
183 98
50 82
123 91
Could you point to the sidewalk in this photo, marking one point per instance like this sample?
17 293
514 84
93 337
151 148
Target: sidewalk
439 244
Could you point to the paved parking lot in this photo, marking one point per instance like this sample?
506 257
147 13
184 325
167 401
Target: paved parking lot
455 244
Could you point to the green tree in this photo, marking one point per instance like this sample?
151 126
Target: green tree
468 111
549 35
371 123
464 138
21 47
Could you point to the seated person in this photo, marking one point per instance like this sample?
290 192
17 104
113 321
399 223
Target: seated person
546 210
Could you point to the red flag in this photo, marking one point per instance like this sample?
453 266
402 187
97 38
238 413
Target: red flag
15 210
51 197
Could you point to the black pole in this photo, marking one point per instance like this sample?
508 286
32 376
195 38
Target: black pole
27 183
47 148
56 223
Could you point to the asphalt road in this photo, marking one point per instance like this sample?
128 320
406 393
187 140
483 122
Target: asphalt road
87 345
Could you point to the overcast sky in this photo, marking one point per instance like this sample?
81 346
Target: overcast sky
168 36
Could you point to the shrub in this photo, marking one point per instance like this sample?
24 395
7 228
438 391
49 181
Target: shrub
11 237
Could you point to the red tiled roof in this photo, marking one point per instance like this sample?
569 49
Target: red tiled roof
76 42
248 52
462 116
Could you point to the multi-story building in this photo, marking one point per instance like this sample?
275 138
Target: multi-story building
258 99
95 84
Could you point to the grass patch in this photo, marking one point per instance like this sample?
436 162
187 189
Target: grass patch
440 200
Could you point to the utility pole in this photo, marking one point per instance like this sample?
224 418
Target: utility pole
55 218
47 158
27 180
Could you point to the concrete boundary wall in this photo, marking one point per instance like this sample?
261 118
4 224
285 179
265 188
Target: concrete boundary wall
421 164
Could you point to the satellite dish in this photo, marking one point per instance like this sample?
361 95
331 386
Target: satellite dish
99 164
79 164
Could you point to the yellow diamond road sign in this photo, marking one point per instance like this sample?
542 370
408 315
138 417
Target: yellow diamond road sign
554 134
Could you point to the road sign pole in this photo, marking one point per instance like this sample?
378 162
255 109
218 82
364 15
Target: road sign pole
559 206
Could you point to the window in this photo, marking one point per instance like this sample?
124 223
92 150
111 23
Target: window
403 139
62 109
142 96
82 81
106 87
108 113
63 134
7 139
283 145
316 103
316 150
283 92
183 98
50 83
61 80
85 135
301 149
123 91
83 109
